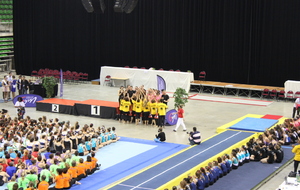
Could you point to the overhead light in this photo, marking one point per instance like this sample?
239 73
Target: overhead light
97 6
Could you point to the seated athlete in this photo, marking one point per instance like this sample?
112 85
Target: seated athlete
271 156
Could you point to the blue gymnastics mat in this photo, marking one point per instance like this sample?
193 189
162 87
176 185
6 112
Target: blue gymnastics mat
124 158
254 124
139 153
251 174
162 173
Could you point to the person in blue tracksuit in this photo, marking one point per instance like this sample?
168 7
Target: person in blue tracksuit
218 169
222 165
190 183
205 176
200 180
212 178
213 171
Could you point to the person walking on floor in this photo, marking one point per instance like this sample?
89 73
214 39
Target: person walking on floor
295 108
180 121
296 151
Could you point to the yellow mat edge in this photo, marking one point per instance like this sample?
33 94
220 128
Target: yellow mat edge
192 171
152 165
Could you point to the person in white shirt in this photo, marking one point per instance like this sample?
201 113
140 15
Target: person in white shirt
20 105
5 88
296 104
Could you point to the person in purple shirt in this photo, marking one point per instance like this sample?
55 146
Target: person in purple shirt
47 154
11 170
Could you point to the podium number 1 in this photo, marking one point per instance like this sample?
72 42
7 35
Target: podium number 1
95 110
55 108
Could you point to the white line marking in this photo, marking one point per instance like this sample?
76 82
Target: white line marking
185 160
133 186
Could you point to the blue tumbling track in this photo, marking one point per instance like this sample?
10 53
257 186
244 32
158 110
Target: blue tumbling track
175 166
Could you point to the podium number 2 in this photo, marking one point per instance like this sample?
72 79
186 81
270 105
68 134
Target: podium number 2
55 108
95 110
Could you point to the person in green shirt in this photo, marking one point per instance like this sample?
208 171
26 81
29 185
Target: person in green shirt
69 159
23 181
62 164
46 173
11 183
54 167
76 157
32 177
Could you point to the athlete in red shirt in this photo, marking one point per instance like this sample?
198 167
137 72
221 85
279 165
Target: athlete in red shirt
180 113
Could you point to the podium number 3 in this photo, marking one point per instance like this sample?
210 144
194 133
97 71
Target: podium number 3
95 110
55 108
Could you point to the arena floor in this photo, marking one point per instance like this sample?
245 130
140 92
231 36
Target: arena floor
207 116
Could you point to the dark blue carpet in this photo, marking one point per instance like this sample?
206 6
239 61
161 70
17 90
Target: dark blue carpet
251 174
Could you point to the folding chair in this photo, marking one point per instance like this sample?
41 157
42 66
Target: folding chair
202 75
273 94
297 94
107 80
34 74
290 95
265 93
281 95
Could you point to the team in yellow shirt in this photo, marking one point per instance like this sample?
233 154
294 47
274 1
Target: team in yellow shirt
132 109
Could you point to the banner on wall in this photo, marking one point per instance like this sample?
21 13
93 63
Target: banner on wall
161 83
29 99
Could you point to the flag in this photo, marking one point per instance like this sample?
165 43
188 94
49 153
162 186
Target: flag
61 80
161 83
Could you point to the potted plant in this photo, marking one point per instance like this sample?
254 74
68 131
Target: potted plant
48 84
180 97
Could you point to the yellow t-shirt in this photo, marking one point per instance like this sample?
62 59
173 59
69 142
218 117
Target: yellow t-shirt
139 106
133 105
296 151
161 107
146 108
126 105
153 107
121 105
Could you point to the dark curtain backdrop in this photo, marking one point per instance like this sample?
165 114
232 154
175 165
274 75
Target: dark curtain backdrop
242 41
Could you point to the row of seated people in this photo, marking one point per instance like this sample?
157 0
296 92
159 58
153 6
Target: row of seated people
31 146
59 175
257 150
